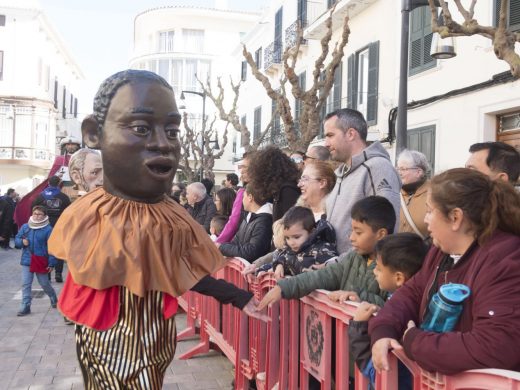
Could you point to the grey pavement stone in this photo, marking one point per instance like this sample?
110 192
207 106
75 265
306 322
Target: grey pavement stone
38 351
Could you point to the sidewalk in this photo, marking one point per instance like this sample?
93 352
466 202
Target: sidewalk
38 351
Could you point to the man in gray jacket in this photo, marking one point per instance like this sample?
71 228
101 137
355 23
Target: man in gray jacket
366 170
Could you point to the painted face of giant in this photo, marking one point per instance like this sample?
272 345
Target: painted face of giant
139 141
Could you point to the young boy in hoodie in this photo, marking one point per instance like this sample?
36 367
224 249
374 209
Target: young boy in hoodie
398 258
254 235
372 219
307 243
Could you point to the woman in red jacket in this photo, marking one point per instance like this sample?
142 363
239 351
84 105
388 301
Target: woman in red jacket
475 226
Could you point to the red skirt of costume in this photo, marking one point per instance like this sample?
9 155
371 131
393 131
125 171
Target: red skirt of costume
128 261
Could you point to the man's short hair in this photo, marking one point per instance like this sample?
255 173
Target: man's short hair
502 157
347 118
198 189
376 211
10 191
232 178
322 153
54 181
402 252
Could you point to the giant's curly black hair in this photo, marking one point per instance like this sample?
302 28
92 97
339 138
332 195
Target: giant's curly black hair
269 169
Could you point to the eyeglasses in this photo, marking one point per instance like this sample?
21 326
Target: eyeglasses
297 160
406 169
305 179
305 157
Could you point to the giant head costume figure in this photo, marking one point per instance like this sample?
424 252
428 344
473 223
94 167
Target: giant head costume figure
86 170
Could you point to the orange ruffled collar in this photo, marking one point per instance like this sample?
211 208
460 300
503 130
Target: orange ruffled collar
109 241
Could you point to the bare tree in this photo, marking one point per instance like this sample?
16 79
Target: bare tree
503 39
197 154
299 137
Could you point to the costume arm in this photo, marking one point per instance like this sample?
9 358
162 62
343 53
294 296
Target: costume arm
223 291
233 223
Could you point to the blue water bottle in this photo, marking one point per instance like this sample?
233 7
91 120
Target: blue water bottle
445 308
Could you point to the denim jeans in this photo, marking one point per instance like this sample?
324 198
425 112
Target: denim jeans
27 280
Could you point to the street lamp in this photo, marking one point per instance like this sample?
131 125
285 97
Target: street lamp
402 115
203 96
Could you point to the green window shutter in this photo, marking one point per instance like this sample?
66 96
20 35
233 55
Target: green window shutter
298 104
352 82
257 127
513 21
336 94
373 80
420 41
422 139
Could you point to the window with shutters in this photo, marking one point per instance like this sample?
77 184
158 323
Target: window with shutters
64 103
243 71
1 65
363 81
2 20
278 20
276 120
258 58
513 16
301 12
334 98
166 41
420 41
422 139
56 93
298 104
257 124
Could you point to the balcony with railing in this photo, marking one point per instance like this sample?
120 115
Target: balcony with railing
273 56
318 12
291 34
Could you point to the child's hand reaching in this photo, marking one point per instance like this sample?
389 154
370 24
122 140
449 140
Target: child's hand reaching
365 311
340 296
278 272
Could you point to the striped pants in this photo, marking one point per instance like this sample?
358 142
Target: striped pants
134 353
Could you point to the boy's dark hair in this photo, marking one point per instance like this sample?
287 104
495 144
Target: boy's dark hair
232 178
10 191
402 252
219 221
257 195
501 157
376 211
299 214
43 209
208 183
54 181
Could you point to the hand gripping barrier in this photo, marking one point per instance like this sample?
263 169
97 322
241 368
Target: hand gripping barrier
306 337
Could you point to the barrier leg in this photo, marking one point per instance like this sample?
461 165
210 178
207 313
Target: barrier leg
342 356
192 315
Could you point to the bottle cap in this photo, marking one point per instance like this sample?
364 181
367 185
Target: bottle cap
454 293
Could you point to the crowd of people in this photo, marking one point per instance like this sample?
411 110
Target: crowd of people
338 217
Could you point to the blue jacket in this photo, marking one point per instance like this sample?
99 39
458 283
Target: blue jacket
37 242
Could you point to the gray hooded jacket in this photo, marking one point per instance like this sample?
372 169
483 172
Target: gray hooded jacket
371 173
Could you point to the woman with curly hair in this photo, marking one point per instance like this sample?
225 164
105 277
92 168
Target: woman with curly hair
276 176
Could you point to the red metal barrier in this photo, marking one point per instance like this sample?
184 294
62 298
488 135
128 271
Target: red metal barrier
297 342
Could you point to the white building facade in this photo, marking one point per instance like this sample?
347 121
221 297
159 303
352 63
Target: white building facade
185 43
38 101
467 99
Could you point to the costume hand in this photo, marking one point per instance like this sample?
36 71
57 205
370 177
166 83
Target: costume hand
411 325
25 241
251 310
380 351
364 311
341 296
278 272
271 297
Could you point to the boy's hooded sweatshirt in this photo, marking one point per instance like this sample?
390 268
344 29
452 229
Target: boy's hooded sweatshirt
371 173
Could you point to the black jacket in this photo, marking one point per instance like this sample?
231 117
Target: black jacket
7 206
285 199
253 238
203 211
55 204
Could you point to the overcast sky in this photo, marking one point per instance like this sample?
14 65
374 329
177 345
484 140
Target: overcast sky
99 33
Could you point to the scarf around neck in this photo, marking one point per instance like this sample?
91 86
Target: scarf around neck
38 224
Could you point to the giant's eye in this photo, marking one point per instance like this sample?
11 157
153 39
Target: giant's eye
172 132
140 129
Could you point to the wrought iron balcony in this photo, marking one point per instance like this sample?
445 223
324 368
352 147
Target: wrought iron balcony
273 54
291 34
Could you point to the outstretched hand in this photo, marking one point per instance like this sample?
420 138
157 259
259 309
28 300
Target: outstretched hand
365 311
251 309
341 296
274 295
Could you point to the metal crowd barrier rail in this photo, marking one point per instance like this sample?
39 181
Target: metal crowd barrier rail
303 338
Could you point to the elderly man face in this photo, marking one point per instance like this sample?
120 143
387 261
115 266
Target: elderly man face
90 175
192 195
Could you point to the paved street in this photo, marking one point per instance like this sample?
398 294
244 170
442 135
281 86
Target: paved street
38 351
